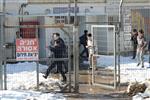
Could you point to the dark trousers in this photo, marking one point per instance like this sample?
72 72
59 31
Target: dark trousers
59 68
85 50
134 51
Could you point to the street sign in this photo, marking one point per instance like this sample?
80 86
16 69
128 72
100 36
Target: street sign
27 50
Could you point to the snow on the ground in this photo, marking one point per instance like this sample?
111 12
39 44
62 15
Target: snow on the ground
22 76
29 95
129 71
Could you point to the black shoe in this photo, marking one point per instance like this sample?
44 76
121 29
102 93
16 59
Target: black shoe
45 76
64 80
138 64
143 66
90 68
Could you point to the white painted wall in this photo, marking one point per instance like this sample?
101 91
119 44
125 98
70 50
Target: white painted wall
95 13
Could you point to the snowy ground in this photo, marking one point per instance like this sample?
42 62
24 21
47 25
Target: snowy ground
29 95
130 72
22 76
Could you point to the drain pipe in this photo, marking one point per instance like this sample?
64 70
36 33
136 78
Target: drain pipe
21 11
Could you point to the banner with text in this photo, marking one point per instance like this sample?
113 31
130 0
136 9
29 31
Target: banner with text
27 50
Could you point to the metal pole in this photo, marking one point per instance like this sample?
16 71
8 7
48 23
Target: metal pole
1 75
4 51
120 14
39 26
115 60
69 63
37 74
76 49
37 63
75 13
5 76
1 54
69 5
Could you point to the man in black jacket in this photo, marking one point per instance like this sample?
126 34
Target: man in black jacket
58 53
83 41
134 42
63 50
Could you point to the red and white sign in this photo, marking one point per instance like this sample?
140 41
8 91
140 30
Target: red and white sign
27 50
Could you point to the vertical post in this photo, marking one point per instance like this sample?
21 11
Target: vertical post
1 54
75 13
37 62
1 75
115 60
120 14
69 5
37 74
93 70
76 49
76 59
93 67
5 75
4 51
69 61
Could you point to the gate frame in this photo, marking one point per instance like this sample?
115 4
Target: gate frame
115 58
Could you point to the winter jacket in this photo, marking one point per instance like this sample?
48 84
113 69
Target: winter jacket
83 39
134 39
57 51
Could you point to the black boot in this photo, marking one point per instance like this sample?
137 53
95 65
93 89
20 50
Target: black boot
45 76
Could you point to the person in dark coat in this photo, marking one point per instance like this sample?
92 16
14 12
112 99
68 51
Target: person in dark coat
83 41
63 49
57 49
134 42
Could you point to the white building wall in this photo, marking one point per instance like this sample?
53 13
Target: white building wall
95 13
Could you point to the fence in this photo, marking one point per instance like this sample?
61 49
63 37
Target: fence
128 18
33 50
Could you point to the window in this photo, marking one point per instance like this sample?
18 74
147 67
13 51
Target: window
64 19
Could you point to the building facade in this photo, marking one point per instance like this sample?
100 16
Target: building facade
97 12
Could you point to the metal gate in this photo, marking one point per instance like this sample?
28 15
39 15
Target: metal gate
104 63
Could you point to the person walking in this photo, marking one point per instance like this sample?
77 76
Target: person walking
134 42
140 48
57 49
90 48
63 49
83 41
